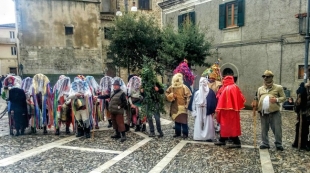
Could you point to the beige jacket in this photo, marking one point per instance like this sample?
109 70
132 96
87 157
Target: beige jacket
276 91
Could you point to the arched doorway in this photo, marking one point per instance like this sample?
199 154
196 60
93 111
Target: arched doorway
230 72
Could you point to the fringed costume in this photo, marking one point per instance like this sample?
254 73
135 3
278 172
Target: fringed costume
95 90
106 88
82 105
62 111
27 87
135 98
42 97
188 76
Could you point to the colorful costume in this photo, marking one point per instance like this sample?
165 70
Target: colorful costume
202 107
135 100
82 105
179 95
230 102
188 76
27 87
95 89
214 75
106 88
62 111
42 101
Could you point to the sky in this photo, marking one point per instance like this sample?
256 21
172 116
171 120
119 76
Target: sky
7 13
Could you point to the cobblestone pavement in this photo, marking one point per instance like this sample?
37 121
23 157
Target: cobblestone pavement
66 153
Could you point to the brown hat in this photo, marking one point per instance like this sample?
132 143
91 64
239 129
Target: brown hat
267 73
116 82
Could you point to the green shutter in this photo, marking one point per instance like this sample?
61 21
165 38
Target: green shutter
240 13
222 16
180 21
192 17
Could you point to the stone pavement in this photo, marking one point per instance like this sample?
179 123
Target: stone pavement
66 153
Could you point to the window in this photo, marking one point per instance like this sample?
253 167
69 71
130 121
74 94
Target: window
13 50
145 4
186 18
12 34
231 14
107 32
68 30
13 70
301 69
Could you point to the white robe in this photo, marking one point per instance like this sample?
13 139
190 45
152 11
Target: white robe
204 126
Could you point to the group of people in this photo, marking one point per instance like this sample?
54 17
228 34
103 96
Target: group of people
216 105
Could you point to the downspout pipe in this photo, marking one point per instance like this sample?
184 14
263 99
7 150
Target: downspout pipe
307 45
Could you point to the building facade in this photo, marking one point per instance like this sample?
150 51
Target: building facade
8 49
248 37
59 37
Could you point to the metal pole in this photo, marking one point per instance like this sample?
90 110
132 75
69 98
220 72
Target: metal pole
307 44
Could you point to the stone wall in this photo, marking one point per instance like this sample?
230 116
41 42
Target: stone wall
44 47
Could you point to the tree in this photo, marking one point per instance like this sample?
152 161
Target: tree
188 42
134 36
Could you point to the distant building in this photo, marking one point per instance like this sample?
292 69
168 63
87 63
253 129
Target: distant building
8 50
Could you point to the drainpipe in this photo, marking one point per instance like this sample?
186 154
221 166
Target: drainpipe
281 60
307 45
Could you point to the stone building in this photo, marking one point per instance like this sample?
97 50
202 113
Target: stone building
59 37
8 50
248 37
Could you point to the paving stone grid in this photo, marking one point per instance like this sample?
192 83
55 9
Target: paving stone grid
66 153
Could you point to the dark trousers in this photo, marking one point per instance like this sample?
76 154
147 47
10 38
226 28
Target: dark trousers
118 122
179 126
157 120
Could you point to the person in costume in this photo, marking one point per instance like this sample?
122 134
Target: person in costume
230 102
188 76
202 107
179 95
117 106
42 101
27 87
270 95
302 107
81 101
62 110
17 104
135 98
214 76
95 89
106 87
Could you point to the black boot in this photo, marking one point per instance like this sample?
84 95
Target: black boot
44 130
79 132
110 123
127 127
57 131
116 135
17 133
87 132
123 138
33 130
22 132
143 128
138 128
67 130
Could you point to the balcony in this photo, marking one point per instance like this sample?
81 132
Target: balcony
108 16
7 40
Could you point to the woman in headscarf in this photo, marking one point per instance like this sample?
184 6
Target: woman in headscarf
301 108
202 108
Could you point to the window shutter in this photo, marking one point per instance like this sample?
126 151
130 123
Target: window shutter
240 13
192 17
140 4
180 21
222 16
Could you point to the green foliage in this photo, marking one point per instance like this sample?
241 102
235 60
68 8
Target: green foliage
149 80
187 43
134 36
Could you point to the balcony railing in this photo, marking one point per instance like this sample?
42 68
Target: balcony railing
7 40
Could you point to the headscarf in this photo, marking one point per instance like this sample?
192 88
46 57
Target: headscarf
134 84
92 83
106 84
202 92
